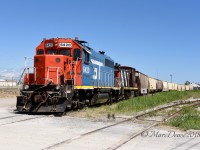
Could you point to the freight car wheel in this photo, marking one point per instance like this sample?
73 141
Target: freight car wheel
127 95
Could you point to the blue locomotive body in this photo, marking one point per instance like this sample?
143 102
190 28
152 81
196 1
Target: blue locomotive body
98 69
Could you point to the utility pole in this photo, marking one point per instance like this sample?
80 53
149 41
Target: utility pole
171 77
12 81
25 62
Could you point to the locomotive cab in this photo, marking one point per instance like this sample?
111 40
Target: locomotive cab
56 60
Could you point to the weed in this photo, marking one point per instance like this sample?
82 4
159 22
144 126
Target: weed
135 104
189 118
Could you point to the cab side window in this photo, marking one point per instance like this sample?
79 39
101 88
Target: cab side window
77 54
87 58
40 52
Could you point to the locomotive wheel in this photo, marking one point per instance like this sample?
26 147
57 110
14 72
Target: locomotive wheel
110 101
80 105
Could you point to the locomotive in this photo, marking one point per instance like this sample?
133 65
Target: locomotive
68 74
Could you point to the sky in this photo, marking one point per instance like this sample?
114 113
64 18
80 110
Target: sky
157 37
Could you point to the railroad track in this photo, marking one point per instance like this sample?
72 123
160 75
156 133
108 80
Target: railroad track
124 141
16 121
135 117
8 117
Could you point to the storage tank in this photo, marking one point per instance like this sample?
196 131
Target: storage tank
165 86
159 86
152 85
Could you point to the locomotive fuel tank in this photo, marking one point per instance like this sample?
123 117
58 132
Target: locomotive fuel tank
100 98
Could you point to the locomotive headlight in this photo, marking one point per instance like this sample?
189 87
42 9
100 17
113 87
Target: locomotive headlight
48 45
26 87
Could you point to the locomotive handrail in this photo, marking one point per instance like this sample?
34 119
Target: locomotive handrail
26 71
57 70
21 77
75 63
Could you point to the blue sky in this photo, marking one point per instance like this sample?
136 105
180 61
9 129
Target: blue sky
157 37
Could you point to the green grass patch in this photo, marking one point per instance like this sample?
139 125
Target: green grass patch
189 118
136 104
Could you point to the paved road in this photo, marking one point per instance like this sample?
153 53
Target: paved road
21 131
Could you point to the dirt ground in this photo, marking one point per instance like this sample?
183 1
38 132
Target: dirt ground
9 92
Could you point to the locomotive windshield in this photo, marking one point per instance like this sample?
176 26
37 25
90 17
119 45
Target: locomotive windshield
52 51
65 52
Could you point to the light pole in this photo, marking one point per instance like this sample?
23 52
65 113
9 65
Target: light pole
12 81
171 77
26 61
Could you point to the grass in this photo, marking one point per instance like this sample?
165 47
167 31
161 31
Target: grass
9 92
189 118
136 104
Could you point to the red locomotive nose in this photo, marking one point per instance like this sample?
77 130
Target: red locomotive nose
49 68
54 61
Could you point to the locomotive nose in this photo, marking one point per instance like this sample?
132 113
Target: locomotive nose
48 68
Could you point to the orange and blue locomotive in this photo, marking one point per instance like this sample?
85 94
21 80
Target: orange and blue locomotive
68 74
